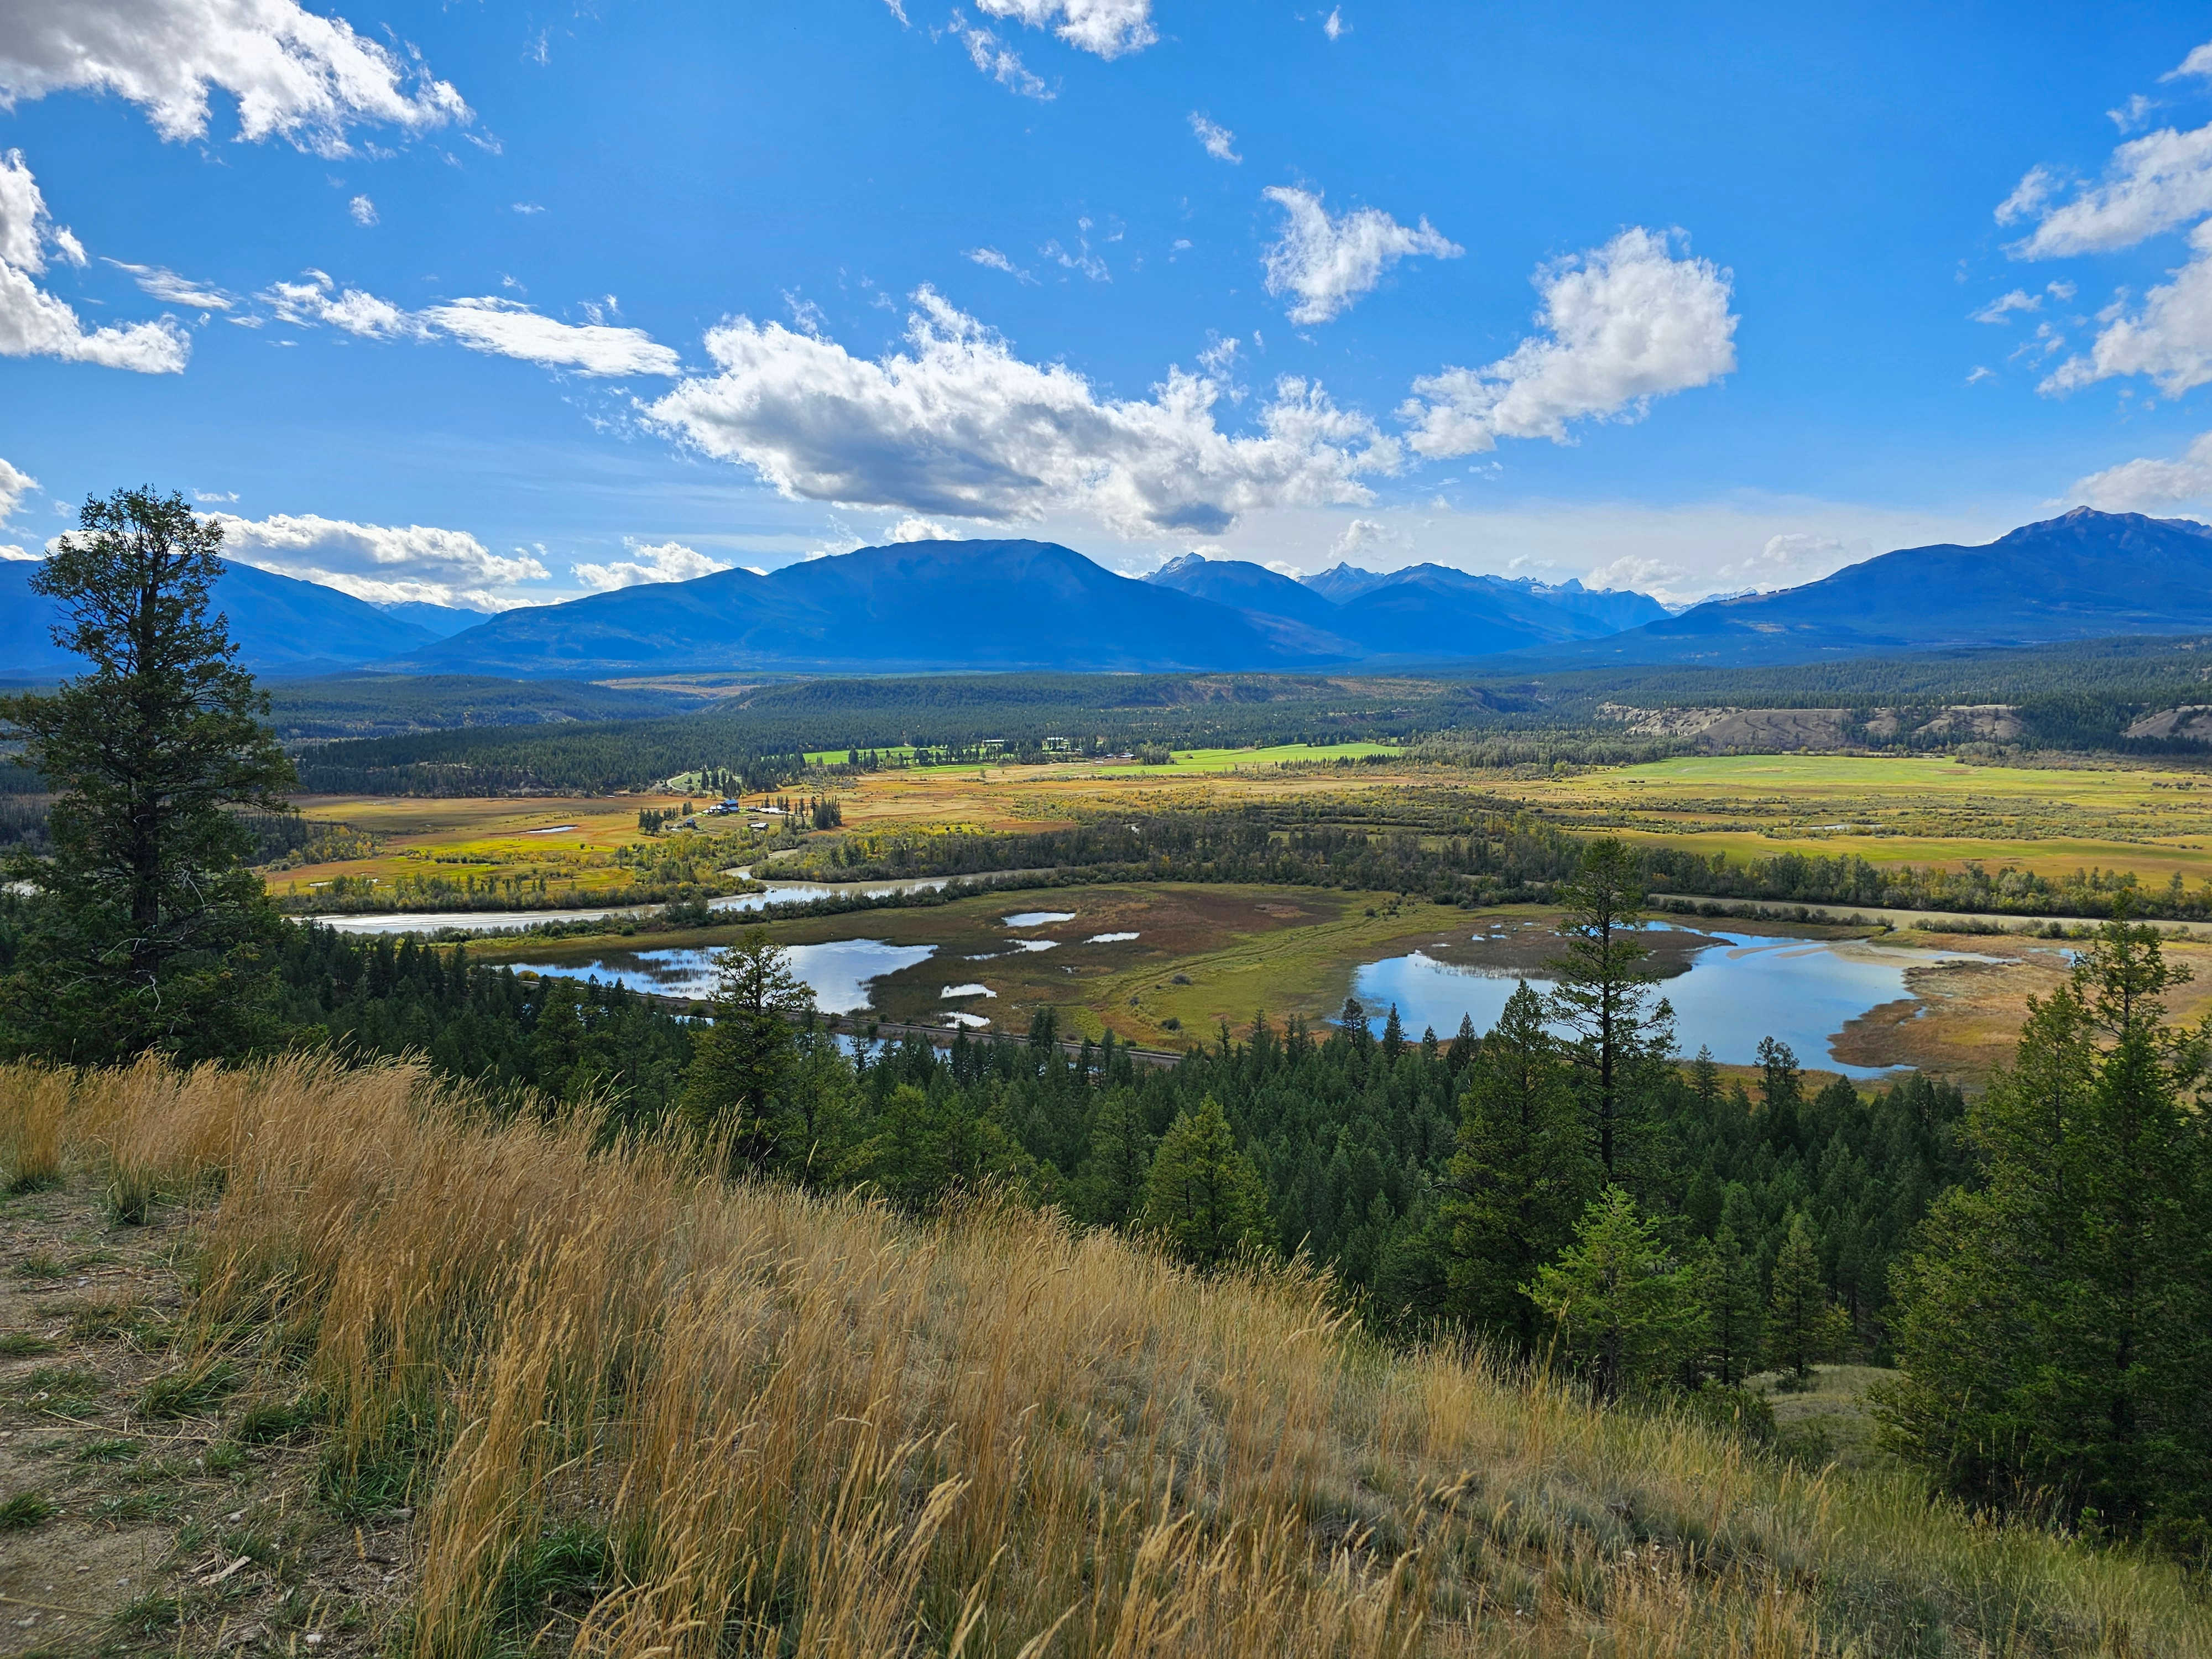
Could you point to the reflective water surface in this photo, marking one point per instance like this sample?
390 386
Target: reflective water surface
839 971
1739 988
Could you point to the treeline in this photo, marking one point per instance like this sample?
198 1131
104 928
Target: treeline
1458 850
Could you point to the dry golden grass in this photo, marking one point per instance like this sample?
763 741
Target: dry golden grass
803 1425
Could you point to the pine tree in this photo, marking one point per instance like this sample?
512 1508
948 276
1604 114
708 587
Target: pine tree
732 1092
1110 1188
2055 1324
1203 1197
1803 1326
145 929
1727 1281
1604 994
1626 1311
1520 1177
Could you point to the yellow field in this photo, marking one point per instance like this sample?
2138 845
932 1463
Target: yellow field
1921 811
572 841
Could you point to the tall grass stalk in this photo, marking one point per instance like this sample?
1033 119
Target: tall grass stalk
800 1424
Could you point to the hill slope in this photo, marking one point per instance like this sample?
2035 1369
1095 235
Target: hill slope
283 626
990 605
2084 575
810 1418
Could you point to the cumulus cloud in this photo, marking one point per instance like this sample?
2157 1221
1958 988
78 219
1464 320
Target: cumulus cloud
384 564
1220 142
1361 536
293 74
2169 338
1660 578
957 423
503 328
362 210
2147 485
1333 25
1325 264
15 484
1108 28
649 561
34 323
168 287
914 528
1621 325
2153 184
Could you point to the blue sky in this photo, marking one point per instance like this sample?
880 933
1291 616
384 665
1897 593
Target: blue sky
493 305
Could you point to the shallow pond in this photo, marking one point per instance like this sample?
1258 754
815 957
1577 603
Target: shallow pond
1739 988
839 972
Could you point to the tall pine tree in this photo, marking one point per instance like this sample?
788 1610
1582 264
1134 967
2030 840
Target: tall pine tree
1518 1180
2055 1321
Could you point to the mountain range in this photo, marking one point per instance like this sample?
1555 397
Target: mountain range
987 606
2084 575
284 627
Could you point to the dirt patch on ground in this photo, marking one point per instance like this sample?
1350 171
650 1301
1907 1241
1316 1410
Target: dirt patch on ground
152 1500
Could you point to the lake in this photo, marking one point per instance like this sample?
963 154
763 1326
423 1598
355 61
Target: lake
839 972
1738 989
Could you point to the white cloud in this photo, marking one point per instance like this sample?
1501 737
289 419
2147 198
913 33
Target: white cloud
1001 63
2169 339
172 289
384 564
15 484
2035 187
2153 184
957 424
318 300
1325 264
1622 324
1108 28
501 327
508 329
898 10
659 562
34 323
207 496
527 207
1333 25
2133 115
1082 259
1997 309
991 259
1645 575
1360 535
914 528
1220 142
1978 374
2147 485
2199 63
294 73
1787 560
363 210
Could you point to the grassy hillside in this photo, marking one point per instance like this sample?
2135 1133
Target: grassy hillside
631 1410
